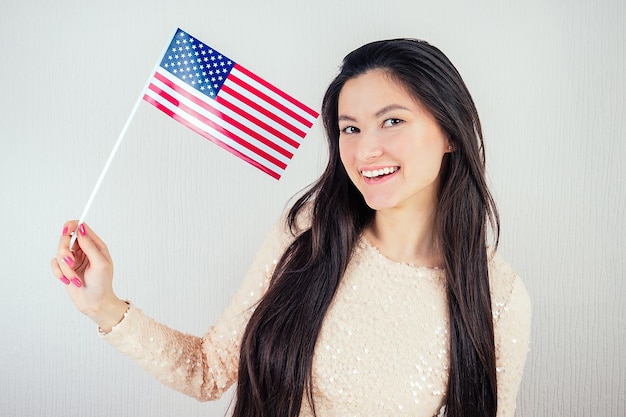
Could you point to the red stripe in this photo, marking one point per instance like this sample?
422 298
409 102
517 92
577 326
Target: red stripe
261 109
256 135
216 127
211 138
234 122
269 100
263 125
277 91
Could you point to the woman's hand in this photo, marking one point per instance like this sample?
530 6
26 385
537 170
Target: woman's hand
87 272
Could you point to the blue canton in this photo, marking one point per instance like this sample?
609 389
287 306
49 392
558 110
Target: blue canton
197 64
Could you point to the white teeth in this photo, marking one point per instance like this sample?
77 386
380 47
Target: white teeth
379 172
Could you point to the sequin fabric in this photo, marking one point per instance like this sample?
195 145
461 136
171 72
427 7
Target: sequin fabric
382 350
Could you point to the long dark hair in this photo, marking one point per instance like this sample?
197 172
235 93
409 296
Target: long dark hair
275 368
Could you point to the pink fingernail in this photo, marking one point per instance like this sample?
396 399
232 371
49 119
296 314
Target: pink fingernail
69 261
64 280
82 230
77 282
64 231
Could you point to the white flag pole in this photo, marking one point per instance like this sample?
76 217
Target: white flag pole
107 164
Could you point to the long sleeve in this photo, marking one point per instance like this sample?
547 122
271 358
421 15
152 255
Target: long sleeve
512 321
201 367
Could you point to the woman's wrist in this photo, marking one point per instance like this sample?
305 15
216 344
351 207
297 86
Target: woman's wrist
110 314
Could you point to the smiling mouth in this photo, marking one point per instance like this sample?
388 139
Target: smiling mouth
378 173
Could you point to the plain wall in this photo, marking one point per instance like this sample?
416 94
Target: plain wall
183 218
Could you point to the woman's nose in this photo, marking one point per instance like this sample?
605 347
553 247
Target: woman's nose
369 147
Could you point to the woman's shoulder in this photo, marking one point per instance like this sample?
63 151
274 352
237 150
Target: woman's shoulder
506 286
282 234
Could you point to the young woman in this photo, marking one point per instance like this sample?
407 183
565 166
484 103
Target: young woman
378 294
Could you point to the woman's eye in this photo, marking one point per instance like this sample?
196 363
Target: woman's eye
349 129
391 122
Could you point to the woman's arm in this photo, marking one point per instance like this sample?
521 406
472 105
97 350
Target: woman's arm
512 333
202 367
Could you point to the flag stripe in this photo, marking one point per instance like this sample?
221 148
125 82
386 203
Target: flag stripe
258 108
210 125
220 112
227 106
256 89
254 117
287 97
283 121
174 115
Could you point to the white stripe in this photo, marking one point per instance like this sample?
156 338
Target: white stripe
241 119
272 94
217 135
223 94
221 122
250 95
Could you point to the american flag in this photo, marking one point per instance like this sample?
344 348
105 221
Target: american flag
229 105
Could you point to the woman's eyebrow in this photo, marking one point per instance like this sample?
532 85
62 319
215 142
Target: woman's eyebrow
389 108
346 118
379 113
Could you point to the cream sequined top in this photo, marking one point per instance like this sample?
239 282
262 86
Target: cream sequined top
382 350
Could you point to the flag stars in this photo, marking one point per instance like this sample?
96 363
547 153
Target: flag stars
196 64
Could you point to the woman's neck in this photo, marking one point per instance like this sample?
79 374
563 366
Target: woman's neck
405 237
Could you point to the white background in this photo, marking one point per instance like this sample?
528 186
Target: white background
183 218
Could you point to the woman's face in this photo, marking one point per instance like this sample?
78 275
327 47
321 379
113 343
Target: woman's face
389 143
